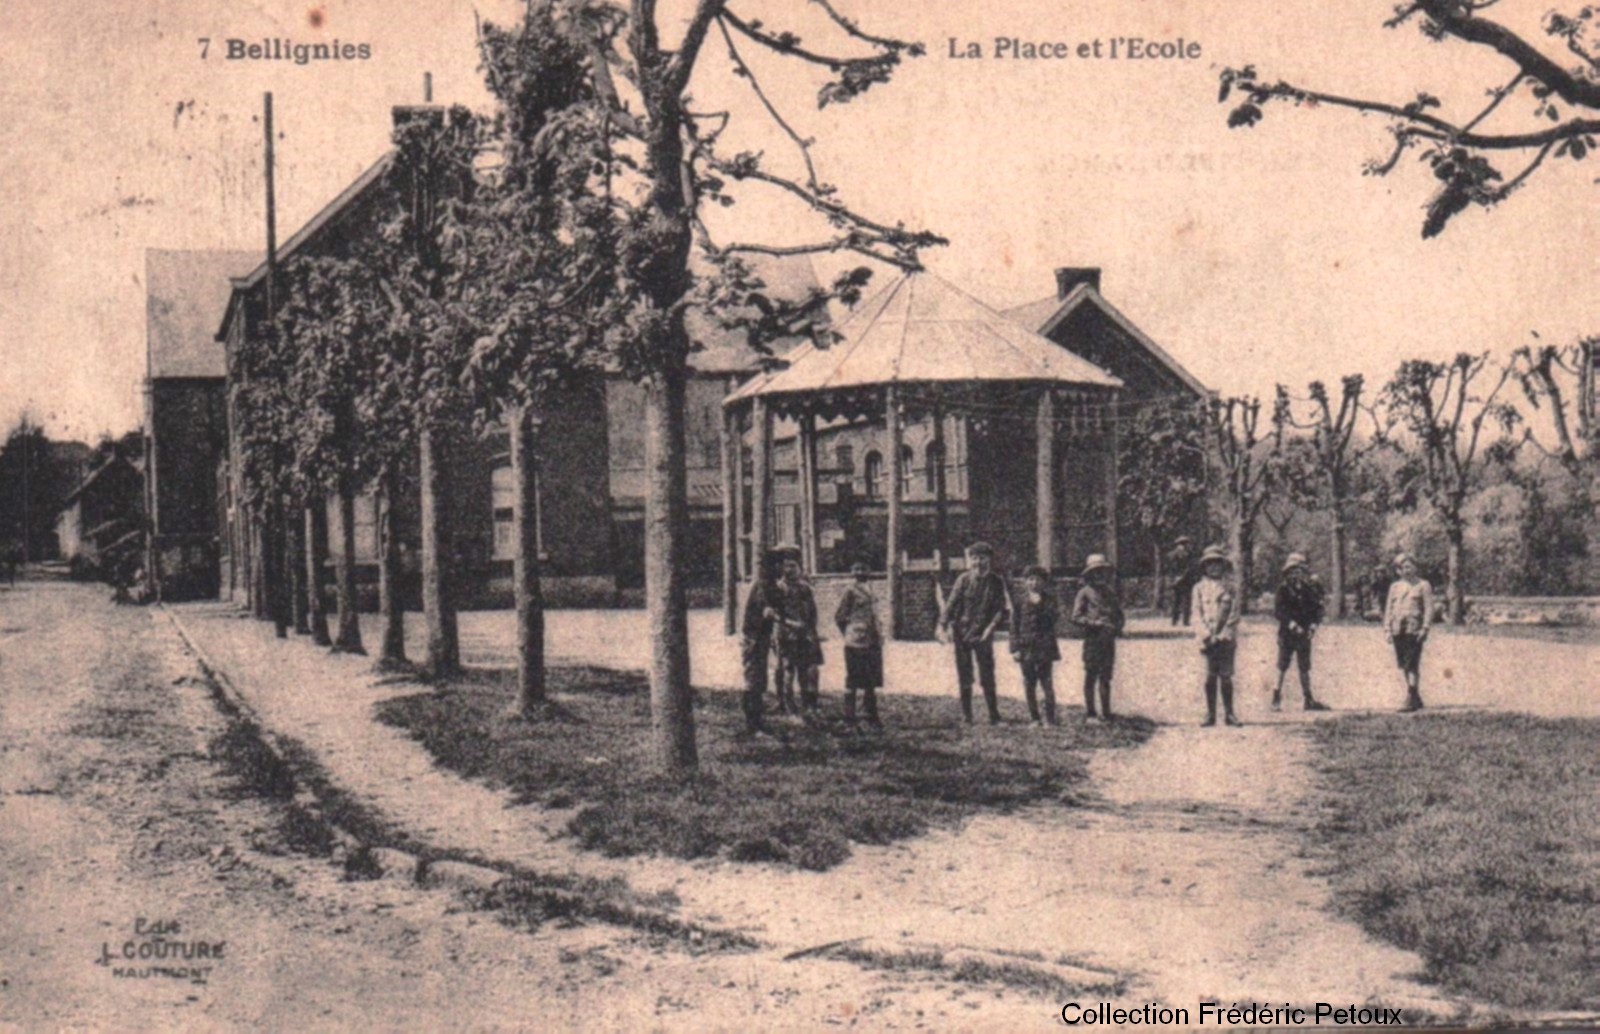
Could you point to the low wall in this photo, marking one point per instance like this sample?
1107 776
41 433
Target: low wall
1534 610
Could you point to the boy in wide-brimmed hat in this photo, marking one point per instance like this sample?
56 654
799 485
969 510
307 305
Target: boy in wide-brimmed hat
978 605
1098 611
1299 608
1033 641
1216 611
857 621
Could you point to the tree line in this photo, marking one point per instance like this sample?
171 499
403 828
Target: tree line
562 235
1429 463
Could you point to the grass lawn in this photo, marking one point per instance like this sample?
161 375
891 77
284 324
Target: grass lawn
801 798
1475 841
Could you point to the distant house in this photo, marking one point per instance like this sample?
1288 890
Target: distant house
105 508
185 415
1080 319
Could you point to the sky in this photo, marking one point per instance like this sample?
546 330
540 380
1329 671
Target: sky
1254 256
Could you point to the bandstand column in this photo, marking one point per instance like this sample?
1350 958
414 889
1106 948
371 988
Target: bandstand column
1045 481
896 487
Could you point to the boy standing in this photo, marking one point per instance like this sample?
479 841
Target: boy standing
799 644
1299 609
857 621
1407 617
755 641
1216 611
977 605
1033 641
1098 611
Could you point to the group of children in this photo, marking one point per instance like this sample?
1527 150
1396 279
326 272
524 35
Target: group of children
780 618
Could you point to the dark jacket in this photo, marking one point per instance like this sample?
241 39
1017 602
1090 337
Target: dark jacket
1033 628
857 618
757 626
1301 604
975 602
1098 610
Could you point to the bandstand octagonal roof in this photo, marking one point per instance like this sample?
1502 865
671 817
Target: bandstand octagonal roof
921 329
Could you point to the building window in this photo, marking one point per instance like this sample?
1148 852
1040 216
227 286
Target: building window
908 466
844 458
874 475
503 491
933 460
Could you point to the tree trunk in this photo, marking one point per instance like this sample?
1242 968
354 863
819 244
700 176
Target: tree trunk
392 653
277 582
316 536
260 607
348 639
1454 593
1241 542
1161 585
438 605
529 592
1336 565
665 531
294 556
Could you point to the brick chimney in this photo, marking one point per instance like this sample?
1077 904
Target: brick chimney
1069 277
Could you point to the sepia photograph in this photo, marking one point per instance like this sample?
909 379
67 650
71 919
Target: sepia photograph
711 515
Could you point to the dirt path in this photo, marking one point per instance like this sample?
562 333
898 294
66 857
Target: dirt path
1181 883
117 813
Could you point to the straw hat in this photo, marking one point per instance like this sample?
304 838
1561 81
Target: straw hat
1294 560
1215 553
1095 562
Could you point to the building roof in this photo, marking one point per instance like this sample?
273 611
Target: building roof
251 278
1046 314
112 464
725 351
186 294
923 329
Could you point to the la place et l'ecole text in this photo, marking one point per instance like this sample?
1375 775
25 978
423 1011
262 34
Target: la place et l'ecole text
1114 48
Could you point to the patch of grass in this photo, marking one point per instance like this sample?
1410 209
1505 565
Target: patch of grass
800 798
1473 840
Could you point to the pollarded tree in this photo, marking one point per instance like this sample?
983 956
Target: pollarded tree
668 167
1447 407
1245 461
432 183
1552 92
325 437
1559 381
1334 453
536 255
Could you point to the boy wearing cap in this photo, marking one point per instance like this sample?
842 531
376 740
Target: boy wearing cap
1407 617
977 606
1216 611
1033 642
1098 611
857 621
1299 609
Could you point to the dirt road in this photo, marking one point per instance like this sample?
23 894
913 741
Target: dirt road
127 843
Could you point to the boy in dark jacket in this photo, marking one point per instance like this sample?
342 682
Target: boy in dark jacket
1033 641
1299 609
978 605
1098 611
